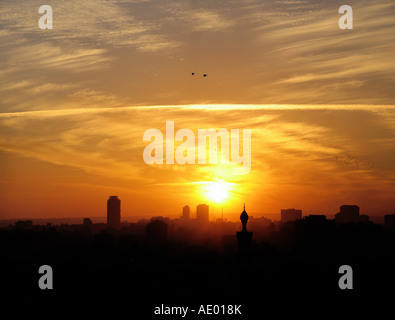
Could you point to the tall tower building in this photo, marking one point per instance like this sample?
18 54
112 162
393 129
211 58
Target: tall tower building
186 212
113 211
202 213
244 237
290 215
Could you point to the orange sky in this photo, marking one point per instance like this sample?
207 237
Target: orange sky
66 164
75 102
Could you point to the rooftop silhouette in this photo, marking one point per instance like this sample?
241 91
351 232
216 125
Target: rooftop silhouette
144 263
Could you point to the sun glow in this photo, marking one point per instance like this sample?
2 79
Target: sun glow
217 191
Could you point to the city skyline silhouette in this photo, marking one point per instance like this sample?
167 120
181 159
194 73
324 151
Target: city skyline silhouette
161 262
197 159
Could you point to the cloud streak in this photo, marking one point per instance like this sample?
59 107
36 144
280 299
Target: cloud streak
79 97
142 53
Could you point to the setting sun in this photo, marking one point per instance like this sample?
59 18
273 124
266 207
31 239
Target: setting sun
217 191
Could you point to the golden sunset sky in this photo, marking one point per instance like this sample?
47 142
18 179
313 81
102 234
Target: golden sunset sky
76 100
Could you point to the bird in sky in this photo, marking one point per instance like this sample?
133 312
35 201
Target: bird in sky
204 74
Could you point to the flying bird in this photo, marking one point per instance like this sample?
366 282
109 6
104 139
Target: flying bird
193 73
205 75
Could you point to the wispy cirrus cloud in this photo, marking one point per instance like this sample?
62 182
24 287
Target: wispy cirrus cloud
324 63
295 151
95 23
206 20
142 52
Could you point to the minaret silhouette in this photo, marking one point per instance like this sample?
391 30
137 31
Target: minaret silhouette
244 237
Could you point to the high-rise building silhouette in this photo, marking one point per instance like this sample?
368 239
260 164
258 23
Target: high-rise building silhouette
348 213
389 221
186 212
290 215
156 230
313 231
202 213
113 211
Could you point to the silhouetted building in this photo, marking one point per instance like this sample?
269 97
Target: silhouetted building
186 212
244 237
348 213
229 244
156 231
167 220
202 213
113 211
24 224
103 240
315 231
290 215
87 222
315 218
126 242
389 221
363 218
